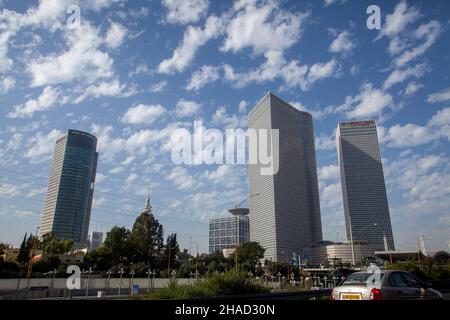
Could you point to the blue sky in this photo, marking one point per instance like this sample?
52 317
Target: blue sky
133 71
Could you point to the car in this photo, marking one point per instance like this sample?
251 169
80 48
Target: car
384 285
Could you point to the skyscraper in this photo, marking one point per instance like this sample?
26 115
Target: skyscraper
285 216
363 189
222 231
68 202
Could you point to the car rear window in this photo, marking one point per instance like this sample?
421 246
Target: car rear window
359 279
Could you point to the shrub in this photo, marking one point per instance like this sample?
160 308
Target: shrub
230 283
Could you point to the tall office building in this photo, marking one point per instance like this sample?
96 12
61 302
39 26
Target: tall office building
363 189
222 231
96 240
285 215
68 202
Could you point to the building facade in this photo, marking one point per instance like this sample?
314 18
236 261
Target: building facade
68 202
222 232
285 216
336 253
363 187
96 240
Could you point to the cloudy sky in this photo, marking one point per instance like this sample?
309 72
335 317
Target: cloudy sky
131 72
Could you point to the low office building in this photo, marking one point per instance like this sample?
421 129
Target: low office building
222 231
328 252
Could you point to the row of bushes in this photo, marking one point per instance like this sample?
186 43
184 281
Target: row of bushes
424 270
230 283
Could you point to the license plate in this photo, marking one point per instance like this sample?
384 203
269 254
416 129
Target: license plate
351 296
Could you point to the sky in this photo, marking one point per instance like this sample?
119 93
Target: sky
131 72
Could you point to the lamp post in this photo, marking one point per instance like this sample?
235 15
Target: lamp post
30 262
352 243
52 282
121 272
89 280
109 278
132 273
237 226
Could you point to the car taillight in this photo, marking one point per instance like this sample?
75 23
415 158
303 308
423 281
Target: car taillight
332 295
375 294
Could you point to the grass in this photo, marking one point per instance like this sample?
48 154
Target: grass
230 283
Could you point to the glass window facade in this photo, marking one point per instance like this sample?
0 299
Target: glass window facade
68 202
222 232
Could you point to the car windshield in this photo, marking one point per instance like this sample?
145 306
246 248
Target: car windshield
361 279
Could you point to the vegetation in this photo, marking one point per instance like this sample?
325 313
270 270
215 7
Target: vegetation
426 269
230 283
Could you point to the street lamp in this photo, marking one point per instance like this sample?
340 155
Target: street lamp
121 272
237 226
351 239
89 280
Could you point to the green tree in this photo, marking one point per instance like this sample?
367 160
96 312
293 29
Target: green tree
248 254
172 249
117 242
99 259
56 246
146 237
24 252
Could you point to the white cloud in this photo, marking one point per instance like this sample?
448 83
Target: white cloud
330 172
140 69
42 145
158 87
182 179
49 97
326 142
230 176
408 135
82 61
221 117
369 102
107 88
185 108
440 96
200 78
242 106
185 11
6 84
262 27
342 43
131 178
412 88
293 73
193 39
397 21
142 113
400 75
429 32
115 35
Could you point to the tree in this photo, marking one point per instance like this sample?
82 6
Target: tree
117 242
99 259
146 237
172 249
56 246
3 247
248 254
24 252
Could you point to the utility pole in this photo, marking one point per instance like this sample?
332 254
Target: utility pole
30 262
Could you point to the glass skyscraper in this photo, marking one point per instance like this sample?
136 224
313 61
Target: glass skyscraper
285 216
222 232
68 202
363 188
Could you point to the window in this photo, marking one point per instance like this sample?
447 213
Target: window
397 280
413 281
